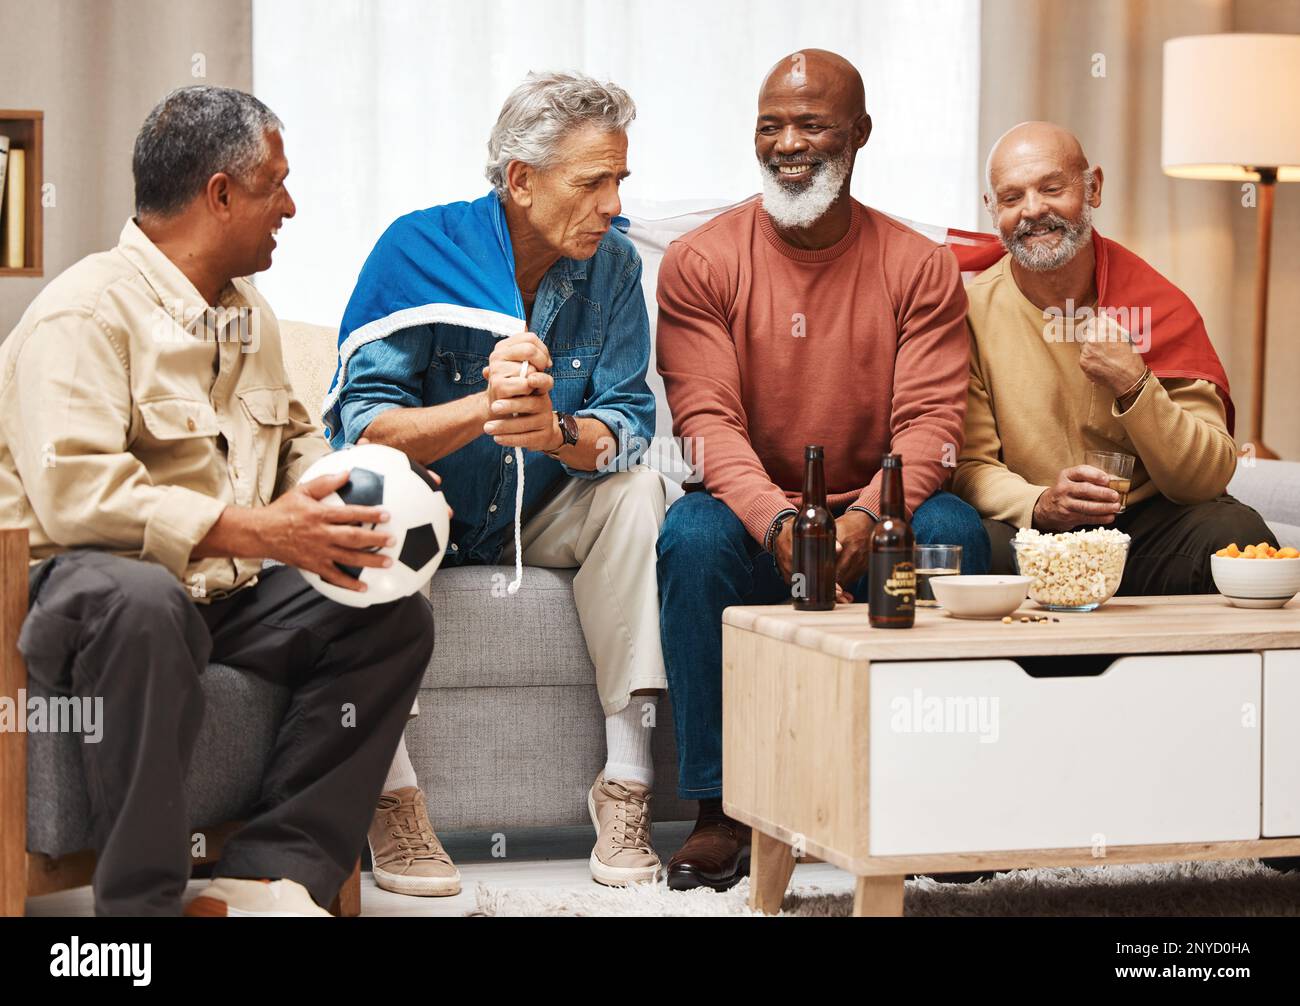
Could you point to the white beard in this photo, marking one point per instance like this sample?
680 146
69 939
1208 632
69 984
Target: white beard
797 209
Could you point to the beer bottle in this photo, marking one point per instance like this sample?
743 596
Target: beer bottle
813 561
891 572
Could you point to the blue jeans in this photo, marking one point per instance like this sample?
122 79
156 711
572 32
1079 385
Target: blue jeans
707 562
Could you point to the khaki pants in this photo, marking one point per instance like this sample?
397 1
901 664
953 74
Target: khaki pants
607 528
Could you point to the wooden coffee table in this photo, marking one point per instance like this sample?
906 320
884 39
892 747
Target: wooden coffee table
957 746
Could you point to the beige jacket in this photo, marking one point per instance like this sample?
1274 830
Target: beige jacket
132 414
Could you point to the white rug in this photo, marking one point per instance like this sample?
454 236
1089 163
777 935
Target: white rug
1228 888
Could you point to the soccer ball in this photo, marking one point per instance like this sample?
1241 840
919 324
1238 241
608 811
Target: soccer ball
419 520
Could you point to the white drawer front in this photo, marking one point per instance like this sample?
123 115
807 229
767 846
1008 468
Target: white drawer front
971 755
1281 811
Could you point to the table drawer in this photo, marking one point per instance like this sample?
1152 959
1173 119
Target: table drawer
1281 810
971 755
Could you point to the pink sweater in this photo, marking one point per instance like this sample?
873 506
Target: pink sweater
765 348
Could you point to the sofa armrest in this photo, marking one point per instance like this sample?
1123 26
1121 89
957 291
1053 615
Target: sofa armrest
13 744
1271 487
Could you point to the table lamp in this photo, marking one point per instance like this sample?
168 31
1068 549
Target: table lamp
1231 112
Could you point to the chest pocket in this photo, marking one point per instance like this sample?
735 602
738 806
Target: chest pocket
459 371
578 329
177 442
254 466
171 419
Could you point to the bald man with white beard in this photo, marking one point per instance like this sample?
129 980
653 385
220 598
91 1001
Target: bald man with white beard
801 318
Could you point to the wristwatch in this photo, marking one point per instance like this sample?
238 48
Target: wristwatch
568 429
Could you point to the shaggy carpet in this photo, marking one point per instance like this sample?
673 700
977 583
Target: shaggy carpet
1227 888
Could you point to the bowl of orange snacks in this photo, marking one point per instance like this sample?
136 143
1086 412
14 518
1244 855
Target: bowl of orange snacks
1257 576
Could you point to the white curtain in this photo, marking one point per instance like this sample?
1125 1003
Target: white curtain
387 106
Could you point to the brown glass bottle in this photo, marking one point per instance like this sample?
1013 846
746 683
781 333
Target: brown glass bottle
813 560
891 570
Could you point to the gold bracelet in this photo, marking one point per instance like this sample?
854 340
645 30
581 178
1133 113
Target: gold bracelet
1136 386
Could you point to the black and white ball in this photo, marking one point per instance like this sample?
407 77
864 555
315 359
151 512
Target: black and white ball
419 521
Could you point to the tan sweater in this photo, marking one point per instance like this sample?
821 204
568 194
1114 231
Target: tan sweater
1031 412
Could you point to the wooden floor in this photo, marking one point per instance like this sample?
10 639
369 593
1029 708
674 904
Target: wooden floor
376 903
538 858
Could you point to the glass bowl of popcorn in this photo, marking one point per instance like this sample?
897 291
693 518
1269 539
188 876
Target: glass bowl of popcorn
1071 570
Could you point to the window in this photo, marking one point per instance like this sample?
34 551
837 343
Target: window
387 106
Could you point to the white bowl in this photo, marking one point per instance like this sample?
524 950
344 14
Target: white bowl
1255 583
983 596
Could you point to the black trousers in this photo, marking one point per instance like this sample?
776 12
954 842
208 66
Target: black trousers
127 631
1171 542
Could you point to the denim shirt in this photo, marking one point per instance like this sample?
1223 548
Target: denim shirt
592 316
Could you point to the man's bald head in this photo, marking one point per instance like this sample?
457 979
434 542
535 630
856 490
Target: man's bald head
1037 143
812 121
816 74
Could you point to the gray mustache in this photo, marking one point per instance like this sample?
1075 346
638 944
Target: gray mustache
1051 220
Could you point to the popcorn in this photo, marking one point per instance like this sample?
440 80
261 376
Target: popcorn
1072 569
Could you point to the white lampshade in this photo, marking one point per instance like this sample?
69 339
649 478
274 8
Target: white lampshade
1231 103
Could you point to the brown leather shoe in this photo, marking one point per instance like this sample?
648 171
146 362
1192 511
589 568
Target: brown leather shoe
715 855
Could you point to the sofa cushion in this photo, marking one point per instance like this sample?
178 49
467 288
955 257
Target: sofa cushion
487 638
496 759
240 717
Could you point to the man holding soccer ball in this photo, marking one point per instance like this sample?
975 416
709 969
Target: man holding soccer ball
153 454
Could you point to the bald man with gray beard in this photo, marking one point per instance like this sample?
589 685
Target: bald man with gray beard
1078 345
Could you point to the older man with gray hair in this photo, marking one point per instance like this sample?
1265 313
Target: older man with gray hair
439 382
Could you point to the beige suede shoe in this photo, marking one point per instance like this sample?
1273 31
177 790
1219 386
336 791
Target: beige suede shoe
233 897
620 813
408 858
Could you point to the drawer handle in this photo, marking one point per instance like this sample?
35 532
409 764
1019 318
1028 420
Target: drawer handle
1074 665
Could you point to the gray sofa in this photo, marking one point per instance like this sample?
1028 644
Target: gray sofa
510 733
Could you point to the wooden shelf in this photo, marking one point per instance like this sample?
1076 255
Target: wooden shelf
26 131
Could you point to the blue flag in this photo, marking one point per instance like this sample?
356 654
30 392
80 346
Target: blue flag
448 264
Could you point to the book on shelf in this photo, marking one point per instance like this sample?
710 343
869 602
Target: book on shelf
15 210
4 159
4 163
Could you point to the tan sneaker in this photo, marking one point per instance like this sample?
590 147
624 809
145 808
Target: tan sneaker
620 813
408 858
233 897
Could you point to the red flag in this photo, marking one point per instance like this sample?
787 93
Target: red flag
1176 343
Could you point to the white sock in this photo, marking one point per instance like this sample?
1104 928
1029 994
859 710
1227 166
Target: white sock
401 772
628 741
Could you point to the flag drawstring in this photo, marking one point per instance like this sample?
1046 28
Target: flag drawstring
513 588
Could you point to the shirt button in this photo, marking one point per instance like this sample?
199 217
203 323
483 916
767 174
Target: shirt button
510 459
189 424
577 364
492 508
455 548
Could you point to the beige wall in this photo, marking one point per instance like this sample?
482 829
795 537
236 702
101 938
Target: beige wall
1038 58
96 67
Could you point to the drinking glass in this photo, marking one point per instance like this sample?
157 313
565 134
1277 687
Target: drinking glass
1118 466
932 561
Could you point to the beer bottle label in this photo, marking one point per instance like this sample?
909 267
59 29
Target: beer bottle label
901 584
892 581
